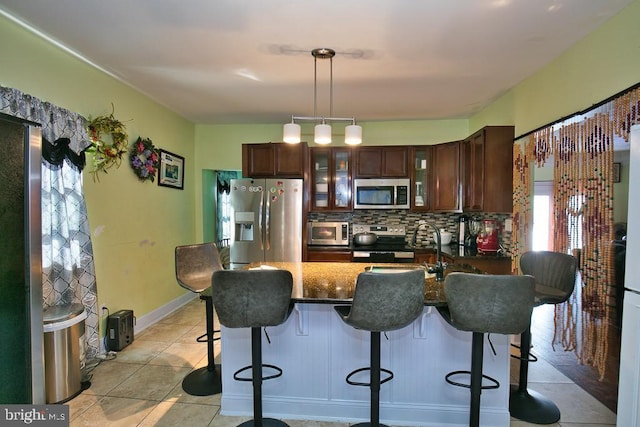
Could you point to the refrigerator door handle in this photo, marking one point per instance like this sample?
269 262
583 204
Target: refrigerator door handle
260 223
268 222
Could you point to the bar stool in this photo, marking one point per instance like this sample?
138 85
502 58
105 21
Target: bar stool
254 299
555 277
382 302
194 266
482 304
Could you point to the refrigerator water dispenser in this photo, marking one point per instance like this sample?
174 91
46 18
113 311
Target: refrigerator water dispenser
244 226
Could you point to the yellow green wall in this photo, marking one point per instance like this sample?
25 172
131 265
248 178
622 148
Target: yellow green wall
135 226
598 66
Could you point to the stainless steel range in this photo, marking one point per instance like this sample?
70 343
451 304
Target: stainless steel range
390 245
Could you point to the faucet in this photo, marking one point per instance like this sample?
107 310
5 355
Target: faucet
439 267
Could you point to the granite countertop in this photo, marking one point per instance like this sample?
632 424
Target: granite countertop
457 252
453 251
334 282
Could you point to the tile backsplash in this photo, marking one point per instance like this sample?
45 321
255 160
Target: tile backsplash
447 221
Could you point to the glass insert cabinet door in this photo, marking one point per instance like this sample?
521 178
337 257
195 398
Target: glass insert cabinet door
330 179
321 179
342 183
421 177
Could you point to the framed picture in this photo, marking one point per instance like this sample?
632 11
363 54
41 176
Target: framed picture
616 172
171 172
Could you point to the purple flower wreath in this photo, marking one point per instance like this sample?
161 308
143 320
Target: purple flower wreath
144 159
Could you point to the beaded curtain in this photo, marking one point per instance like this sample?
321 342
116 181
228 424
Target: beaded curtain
582 150
522 207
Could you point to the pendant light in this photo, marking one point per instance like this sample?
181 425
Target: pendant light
322 131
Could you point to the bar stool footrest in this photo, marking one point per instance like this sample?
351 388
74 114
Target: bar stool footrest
264 378
203 337
389 377
532 357
494 383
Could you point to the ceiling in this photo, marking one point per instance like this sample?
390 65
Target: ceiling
246 61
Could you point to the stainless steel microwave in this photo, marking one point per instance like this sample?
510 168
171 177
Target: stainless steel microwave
328 233
381 193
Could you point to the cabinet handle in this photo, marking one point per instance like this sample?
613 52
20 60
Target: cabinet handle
420 326
302 317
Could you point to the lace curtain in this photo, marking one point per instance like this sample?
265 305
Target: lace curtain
223 203
67 253
582 150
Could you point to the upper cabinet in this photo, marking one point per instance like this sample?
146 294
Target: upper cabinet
273 160
487 171
382 162
330 179
446 189
473 172
421 175
474 175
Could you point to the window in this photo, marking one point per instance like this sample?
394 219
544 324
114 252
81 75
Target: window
543 224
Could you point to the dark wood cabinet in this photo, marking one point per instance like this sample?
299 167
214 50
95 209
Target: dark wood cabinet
488 170
421 175
274 160
473 172
327 255
383 161
446 189
330 179
489 265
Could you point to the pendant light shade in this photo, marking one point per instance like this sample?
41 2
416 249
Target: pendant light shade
291 133
353 135
322 134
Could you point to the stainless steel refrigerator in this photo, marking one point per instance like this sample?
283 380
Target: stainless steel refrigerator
266 216
21 328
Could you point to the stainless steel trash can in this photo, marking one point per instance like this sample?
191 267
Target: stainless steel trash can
63 333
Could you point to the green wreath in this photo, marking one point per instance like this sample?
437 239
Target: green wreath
107 154
144 159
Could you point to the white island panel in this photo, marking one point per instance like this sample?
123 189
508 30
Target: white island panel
316 350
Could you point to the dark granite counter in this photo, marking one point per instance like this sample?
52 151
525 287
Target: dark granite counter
334 282
460 252
452 251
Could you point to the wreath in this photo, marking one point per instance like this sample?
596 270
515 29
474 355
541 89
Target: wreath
144 159
107 154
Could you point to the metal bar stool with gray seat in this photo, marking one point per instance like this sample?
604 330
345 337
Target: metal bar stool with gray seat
254 299
555 277
485 304
195 264
382 302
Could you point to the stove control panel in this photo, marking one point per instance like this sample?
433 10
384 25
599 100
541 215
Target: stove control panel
381 229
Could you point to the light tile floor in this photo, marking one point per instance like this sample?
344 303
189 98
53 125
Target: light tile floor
142 385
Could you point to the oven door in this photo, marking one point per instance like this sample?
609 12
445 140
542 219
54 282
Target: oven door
383 256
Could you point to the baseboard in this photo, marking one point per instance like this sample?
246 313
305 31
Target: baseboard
143 322
352 411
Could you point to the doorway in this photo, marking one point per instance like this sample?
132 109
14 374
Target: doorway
542 216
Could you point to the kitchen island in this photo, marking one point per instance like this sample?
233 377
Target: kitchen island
316 351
